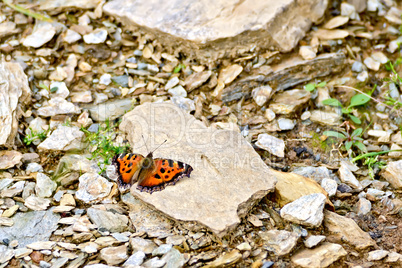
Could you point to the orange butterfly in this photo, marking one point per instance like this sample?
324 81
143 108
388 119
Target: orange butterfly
151 174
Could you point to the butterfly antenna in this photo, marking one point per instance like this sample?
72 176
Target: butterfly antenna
159 146
144 142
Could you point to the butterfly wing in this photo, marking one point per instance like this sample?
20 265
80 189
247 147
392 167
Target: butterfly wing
127 165
166 172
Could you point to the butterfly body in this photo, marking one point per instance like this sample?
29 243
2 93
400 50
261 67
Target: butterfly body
151 174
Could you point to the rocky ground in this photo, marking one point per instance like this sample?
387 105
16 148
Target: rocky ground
326 118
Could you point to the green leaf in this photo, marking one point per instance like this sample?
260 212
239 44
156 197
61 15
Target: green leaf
361 146
309 87
53 89
332 102
334 134
355 119
346 110
178 68
357 132
322 84
348 145
359 99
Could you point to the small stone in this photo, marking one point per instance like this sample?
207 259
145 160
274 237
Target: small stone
323 34
261 94
178 91
314 240
363 206
14 190
63 138
379 57
270 115
33 167
114 255
98 36
105 79
174 259
329 186
172 82
6 222
136 259
10 211
5 254
322 256
113 222
9 159
67 200
162 250
141 244
377 255
71 36
349 11
346 230
41 245
44 185
154 263
22 252
175 240
228 74
37 203
57 106
280 242
271 144
392 174
228 259
394 257
394 16
82 96
60 90
307 52
325 118
336 22
305 115
288 101
244 246
357 67
43 32
286 124
346 176
92 188
372 64
306 210
196 80
363 76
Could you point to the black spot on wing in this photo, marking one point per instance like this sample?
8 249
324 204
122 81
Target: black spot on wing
129 156
163 170
128 171
170 162
157 176
129 165
180 164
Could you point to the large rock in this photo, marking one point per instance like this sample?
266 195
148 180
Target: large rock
228 176
30 227
212 29
63 138
346 230
14 92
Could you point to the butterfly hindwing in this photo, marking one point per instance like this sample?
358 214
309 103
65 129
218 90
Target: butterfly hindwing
166 172
126 166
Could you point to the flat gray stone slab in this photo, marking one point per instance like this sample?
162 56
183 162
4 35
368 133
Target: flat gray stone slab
221 27
229 177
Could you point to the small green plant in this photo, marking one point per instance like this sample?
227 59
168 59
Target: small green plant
178 68
349 140
373 165
34 135
312 86
357 100
101 145
50 90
